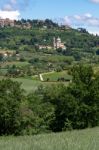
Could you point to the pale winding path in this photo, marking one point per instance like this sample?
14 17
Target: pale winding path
41 75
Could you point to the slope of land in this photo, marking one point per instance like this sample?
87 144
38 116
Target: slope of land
75 140
28 52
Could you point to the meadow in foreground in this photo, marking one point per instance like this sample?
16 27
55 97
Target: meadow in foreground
72 140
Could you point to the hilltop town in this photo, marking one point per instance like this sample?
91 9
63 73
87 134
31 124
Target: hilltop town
28 24
13 23
6 22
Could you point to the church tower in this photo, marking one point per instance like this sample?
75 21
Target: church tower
58 42
54 43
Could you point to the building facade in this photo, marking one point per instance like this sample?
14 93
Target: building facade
6 22
57 43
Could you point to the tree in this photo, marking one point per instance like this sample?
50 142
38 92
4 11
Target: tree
85 89
82 74
36 115
11 96
76 106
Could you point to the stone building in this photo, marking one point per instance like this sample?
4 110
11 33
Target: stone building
57 43
6 22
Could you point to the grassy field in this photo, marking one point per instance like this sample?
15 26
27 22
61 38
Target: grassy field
75 140
27 84
30 84
16 63
53 76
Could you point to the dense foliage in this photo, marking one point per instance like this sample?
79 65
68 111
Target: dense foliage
10 100
53 108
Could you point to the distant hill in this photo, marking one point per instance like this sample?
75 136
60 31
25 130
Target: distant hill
39 38
14 38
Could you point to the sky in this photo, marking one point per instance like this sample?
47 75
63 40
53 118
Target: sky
76 13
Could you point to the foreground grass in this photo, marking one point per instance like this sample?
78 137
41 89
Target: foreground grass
75 140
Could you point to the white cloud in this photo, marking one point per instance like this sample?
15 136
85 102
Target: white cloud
10 14
95 1
10 10
88 15
94 32
67 20
63 21
77 17
86 19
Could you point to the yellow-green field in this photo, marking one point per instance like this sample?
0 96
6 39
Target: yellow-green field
75 140
54 76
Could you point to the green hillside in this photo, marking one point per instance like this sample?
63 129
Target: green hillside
28 58
27 39
74 140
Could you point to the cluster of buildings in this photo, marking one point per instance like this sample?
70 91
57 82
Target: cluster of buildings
6 22
12 23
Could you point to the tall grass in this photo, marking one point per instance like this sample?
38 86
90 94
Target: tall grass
75 140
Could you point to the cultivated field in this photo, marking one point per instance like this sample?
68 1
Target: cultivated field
27 84
75 140
30 84
54 76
